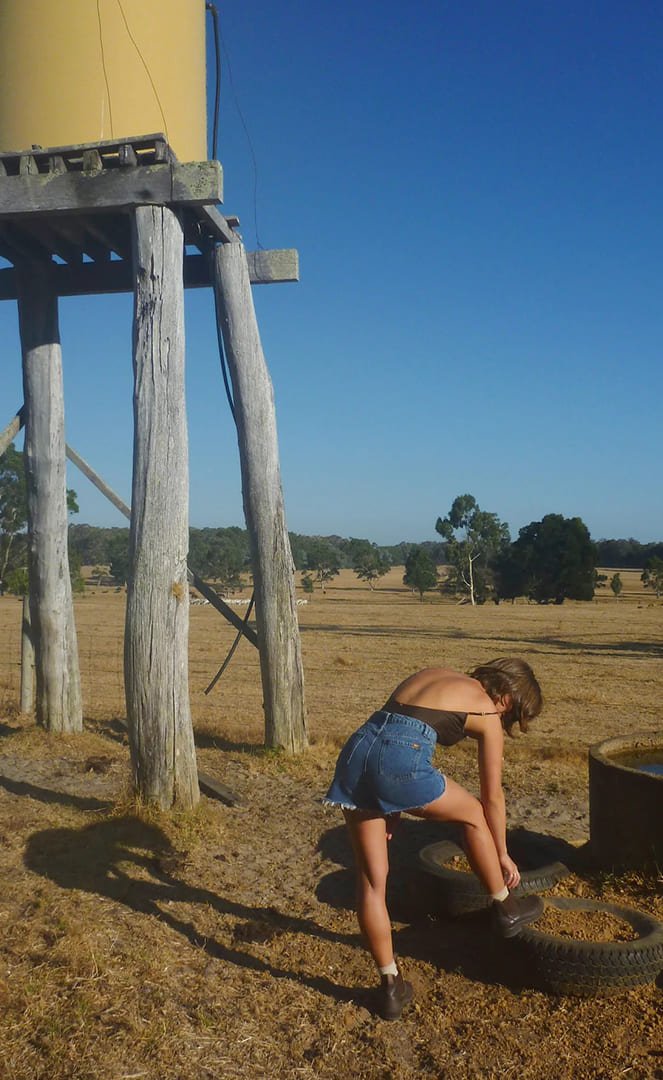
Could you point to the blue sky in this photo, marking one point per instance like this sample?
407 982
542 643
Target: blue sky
475 193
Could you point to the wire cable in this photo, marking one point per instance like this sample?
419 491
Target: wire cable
147 70
248 139
234 645
222 354
103 66
217 80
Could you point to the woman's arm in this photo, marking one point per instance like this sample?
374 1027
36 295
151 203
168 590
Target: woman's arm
487 730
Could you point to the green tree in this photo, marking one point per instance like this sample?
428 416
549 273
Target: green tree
420 571
323 559
616 584
368 562
90 543
652 575
220 555
76 572
118 556
307 584
475 538
14 512
13 508
554 559
18 583
509 578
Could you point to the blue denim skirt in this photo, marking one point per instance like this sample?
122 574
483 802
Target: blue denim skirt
387 766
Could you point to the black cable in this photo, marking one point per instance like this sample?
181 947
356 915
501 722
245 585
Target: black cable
234 645
231 404
248 138
222 352
217 82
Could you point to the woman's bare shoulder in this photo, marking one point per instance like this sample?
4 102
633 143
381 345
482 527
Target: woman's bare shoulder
442 688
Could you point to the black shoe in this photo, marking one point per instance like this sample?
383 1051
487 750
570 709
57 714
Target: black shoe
516 911
393 994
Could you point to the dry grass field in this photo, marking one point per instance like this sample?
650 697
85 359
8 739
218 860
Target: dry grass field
223 944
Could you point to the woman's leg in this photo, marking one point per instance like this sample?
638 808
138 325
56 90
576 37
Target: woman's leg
456 804
368 834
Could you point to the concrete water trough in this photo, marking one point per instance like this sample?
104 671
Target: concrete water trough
626 801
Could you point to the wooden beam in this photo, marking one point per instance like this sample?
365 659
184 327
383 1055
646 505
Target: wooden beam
228 613
218 225
12 430
27 700
214 789
54 633
264 510
86 279
196 183
156 672
112 232
95 479
208 785
18 244
273 266
52 240
147 147
72 230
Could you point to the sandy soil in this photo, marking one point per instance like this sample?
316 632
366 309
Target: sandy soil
223 943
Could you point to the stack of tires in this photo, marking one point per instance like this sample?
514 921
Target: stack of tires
556 964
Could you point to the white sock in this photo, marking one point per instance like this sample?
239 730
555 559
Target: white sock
501 895
389 969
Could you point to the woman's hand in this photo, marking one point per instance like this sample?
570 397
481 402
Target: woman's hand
510 871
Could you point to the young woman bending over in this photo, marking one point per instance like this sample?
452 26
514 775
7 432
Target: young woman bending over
385 768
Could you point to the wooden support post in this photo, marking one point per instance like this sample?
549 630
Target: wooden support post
157 620
27 661
56 654
273 569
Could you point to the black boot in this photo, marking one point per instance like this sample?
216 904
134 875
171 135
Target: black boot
393 994
516 911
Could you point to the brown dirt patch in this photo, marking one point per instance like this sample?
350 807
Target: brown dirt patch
585 925
223 944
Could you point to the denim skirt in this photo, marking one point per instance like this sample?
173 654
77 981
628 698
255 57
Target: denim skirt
387 766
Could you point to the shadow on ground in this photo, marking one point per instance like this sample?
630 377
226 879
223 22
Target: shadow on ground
132 862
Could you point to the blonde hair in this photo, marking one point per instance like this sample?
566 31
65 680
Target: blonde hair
512 676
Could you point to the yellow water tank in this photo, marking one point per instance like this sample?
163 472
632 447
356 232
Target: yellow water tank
85 71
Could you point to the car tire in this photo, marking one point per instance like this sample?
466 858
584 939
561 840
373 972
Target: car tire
564 965
459 892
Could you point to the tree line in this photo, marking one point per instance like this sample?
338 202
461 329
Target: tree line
551 560
223 554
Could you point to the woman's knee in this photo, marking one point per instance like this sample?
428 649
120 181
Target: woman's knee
473 816
372 881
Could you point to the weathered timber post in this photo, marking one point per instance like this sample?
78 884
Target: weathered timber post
157 620
273 568
58 705
27 660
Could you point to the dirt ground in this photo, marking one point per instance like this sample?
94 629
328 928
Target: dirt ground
222 944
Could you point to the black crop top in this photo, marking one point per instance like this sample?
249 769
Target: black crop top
448 726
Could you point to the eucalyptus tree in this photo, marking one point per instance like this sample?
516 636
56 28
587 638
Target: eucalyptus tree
475 538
